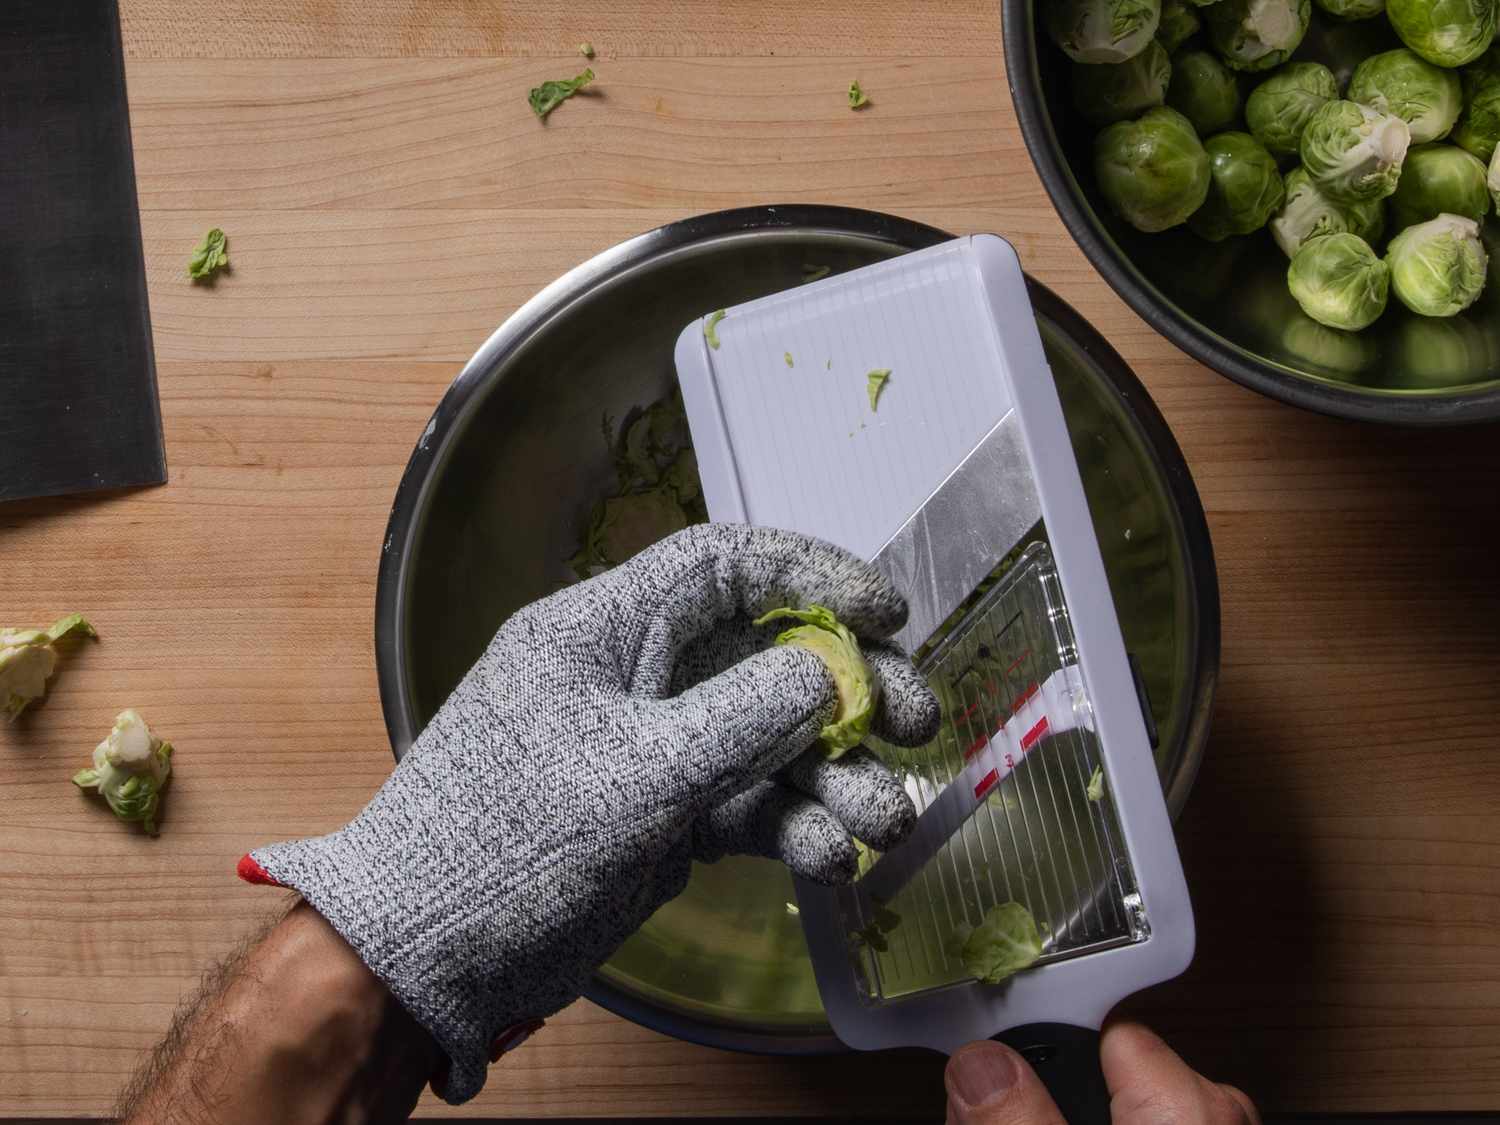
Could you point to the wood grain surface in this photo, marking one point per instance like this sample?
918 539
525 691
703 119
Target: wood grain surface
390 199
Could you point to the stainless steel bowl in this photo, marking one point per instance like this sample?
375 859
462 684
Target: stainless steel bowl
500 486
1227 304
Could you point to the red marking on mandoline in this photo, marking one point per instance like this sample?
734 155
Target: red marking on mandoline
1028 740
1031 689
986 783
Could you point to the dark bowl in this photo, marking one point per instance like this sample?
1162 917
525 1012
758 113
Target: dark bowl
1226 304
498 493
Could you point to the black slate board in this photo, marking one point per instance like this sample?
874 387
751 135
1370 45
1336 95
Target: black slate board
78 407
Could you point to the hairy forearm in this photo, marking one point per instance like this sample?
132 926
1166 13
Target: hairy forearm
292 1029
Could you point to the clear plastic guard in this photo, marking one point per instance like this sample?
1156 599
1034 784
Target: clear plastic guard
1013 801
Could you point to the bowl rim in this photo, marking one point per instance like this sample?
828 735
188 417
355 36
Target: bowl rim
413 498
1023 75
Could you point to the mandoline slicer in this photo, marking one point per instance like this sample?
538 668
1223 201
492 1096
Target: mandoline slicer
964 464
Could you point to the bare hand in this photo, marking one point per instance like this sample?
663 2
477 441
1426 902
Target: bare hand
990 1084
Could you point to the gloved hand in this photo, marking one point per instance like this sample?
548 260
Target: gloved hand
610 734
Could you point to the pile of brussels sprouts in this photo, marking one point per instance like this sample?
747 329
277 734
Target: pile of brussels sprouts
1410 150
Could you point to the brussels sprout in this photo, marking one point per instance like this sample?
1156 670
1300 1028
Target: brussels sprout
1494 178
1309 214
1179 23
823 635
1338 281
1445 32
1354 153
1479 128
1278 110
1438 268
1152 171
1204 91
1257 34
1244 191
1109 92
1438 180
1352 9
1102 31
1428 98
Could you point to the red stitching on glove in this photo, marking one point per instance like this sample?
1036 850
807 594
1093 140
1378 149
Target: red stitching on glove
252 872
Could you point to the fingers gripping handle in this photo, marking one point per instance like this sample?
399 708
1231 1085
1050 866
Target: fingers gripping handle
1066 1059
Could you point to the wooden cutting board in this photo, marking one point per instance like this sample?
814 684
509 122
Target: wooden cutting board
389 200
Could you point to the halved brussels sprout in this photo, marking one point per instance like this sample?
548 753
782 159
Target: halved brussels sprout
1109 92
1179 23
1354 153
1279 109
1204 91
1338 281
1445 32
1309 214
1352 9
1152 171
1438 268
1102 31
1478 128
1428 98
1438 180
1257 34
1245 188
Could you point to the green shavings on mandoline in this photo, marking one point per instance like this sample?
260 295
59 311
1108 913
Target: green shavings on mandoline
549 95
788 357
1095 790
1005 942
875 382
711 328
812 273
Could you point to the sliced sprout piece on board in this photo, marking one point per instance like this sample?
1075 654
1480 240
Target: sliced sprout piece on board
1102 31
28 659
1438 268
131 768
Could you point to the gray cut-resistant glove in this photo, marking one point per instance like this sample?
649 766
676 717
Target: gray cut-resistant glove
609 735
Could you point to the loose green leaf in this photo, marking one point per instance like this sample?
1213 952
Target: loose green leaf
586 50
815 273
131 768
549 95
28 658
1095 790
711 328
209 256
1003 944
789 362
857 97
822 634
875 382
